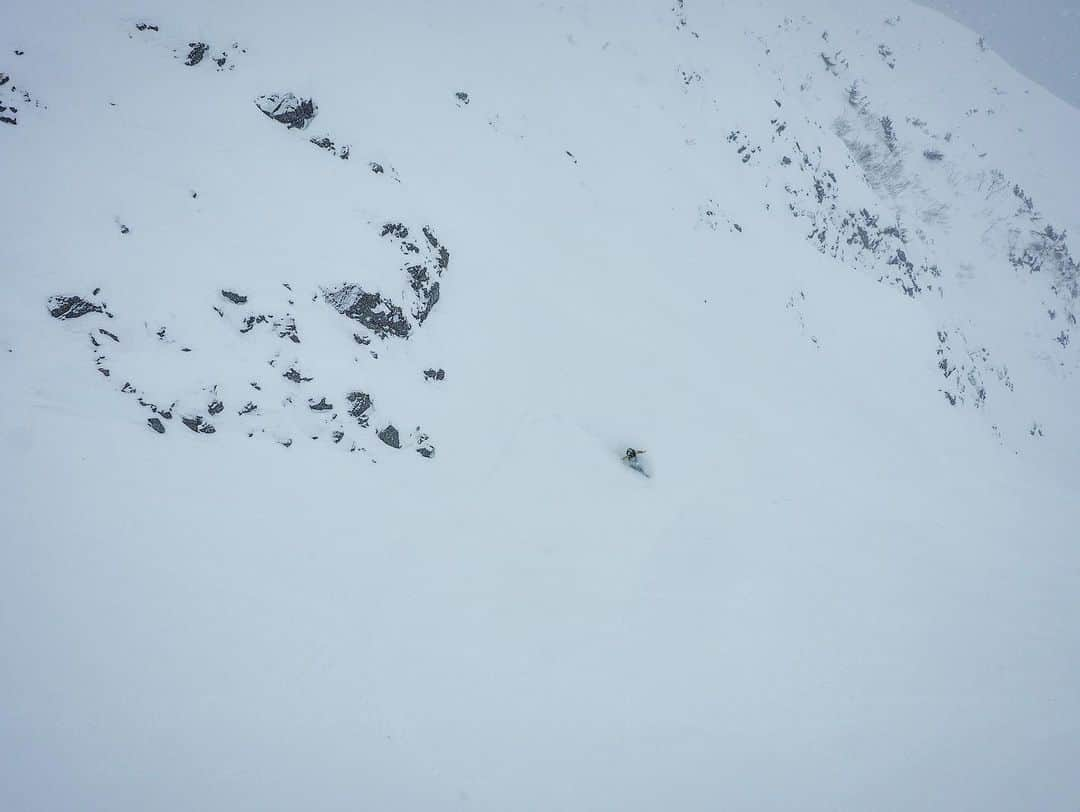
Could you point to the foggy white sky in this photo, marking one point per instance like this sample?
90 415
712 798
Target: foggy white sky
1040 38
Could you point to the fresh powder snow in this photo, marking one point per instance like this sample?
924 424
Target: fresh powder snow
326 326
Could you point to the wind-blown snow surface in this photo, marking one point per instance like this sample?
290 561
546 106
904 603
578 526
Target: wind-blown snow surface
853 580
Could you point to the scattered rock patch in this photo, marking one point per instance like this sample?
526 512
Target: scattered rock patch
294 375
359 403
71 307
196 54
197 425
287 109
327 143
380 315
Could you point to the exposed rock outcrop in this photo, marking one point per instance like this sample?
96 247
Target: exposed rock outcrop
287 109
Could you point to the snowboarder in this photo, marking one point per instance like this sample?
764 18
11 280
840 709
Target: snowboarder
631 458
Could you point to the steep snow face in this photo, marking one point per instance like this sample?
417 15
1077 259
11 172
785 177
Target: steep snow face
325 328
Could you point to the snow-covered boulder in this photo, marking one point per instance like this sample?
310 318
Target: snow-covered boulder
287 109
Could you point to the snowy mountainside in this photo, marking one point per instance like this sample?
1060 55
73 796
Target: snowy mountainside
910 190
325 328
930 208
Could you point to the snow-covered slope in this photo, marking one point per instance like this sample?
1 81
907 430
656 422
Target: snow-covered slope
325 326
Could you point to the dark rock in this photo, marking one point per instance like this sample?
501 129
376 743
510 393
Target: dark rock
127 388
71 307
19 53
434 374
235 298
156 425
285 108
255 386
376 168
389 435
166 413
359 402
105 332
124 229
462 96
248 409
216 407
422 276
294 375
198 51
220 60
329 146
146 27
361 340
379 315
104 371
443 254
219 311
251 321
321 406
338 435
288 330
428 295
423 447
197 425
